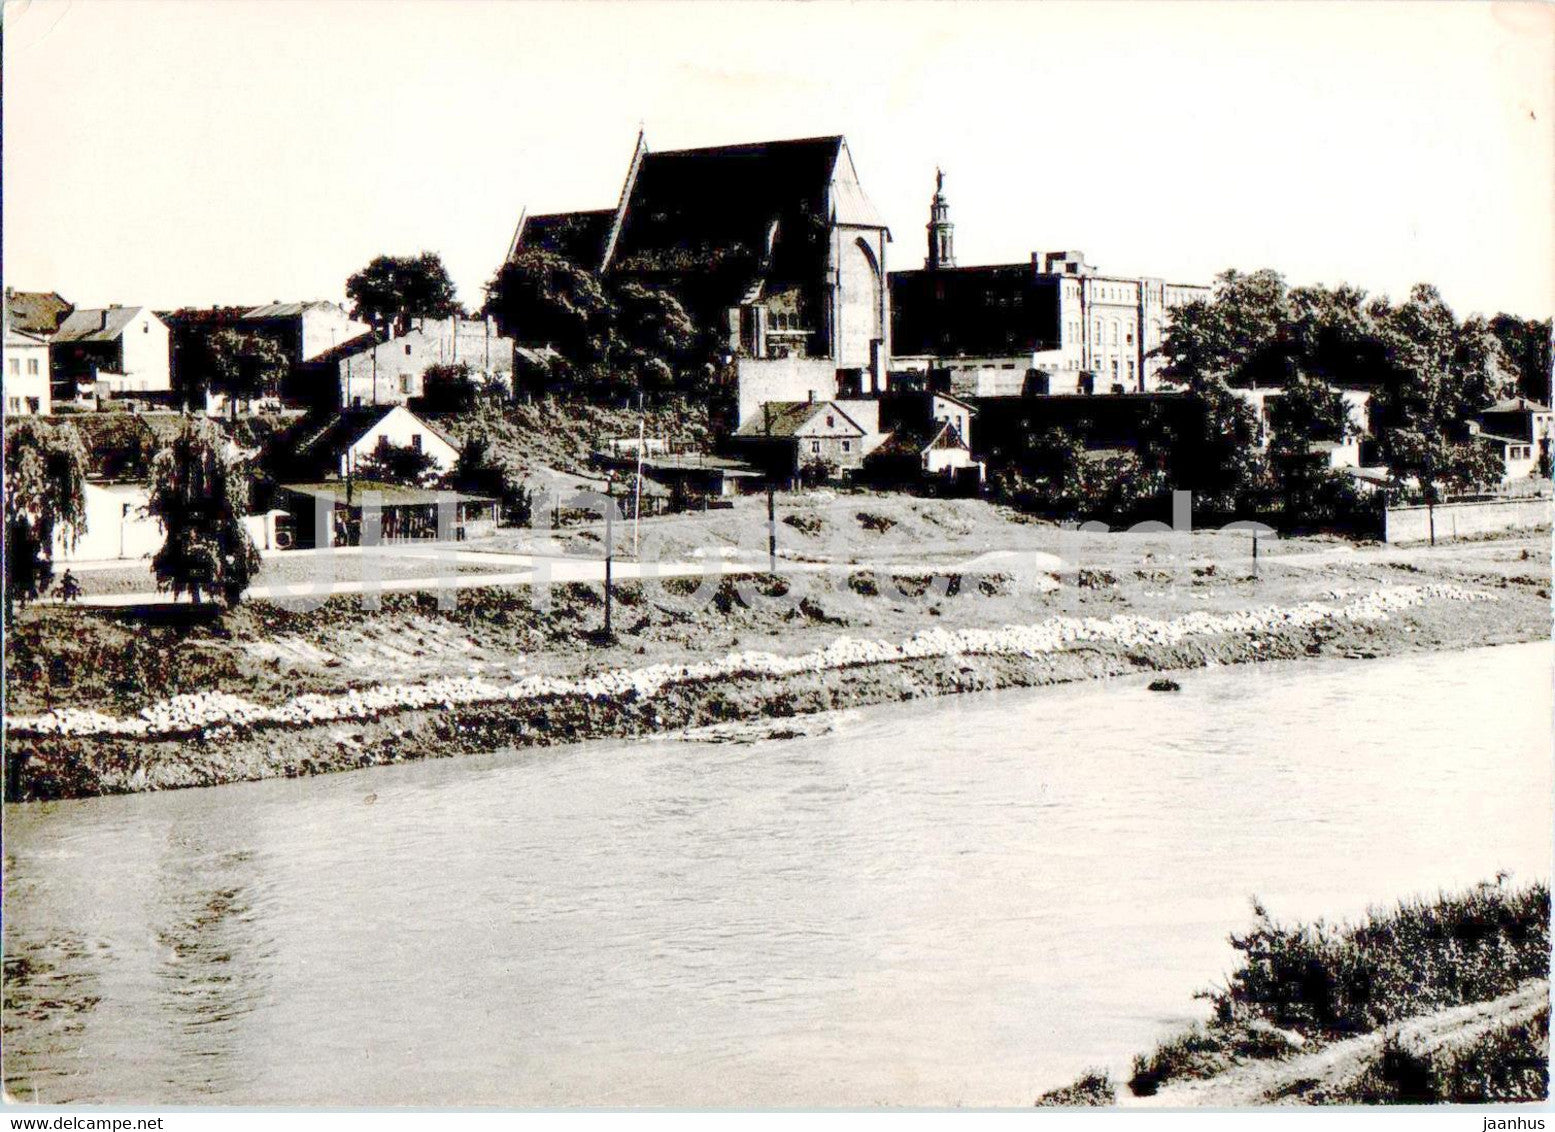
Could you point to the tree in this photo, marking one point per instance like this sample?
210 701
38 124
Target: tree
1438 374
199 494
401 464
245 366
1055 475
654 337
1236 336
541 298
45 478
450 389
1526 343
1209 449
1312 494
1308 409
391 290
479 472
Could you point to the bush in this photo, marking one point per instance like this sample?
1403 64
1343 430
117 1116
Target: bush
1325 982
1093 1089
1508 1064
805 524
1336 981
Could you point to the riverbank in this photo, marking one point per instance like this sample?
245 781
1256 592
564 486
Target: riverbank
106 702
1445 1001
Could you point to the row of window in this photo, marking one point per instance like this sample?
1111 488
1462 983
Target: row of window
815 446
14 366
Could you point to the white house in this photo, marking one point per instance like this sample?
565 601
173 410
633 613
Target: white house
26 373
125 349
1520 429
352 436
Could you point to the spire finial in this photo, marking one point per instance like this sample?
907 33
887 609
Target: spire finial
939 179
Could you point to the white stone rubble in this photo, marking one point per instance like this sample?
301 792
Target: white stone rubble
207 711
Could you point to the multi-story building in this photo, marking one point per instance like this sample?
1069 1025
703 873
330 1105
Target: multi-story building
302 330
26 372
1054 325
113 350
374 370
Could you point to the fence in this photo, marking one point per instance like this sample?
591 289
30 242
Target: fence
1464 520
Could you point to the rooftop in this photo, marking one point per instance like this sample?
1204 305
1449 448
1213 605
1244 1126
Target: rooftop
786 419
390 494
95 324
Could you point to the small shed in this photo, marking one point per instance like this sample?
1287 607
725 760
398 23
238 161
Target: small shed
405 512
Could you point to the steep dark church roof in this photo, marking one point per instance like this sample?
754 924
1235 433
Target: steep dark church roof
576 236
702 208
718 224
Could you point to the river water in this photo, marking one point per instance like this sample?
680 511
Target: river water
960 901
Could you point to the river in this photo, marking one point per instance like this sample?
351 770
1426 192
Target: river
959 901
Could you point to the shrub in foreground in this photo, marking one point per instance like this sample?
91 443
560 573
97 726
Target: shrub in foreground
1093 1089
1316 983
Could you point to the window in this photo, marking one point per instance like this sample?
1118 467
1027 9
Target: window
815 446
32 366
415 442
404 383
407 350
846 447
32 405
831 422
13 404
13 366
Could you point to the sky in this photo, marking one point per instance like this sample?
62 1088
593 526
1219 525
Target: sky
194 153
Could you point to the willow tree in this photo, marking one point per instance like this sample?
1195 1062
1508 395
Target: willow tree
199 493
45 478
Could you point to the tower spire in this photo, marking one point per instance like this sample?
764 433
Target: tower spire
942 233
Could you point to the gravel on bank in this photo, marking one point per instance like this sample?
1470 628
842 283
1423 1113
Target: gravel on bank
213 737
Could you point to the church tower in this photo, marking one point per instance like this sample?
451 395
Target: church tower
942 233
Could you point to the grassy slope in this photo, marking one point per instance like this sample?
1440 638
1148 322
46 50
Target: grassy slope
119 660
529 436
1302 987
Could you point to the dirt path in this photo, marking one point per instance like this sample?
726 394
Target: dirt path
1326 1069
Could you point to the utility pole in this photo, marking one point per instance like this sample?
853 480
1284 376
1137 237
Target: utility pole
766 416
609 551
637 498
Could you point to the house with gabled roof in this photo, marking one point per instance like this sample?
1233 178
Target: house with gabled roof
799 439
113 349
929 441
774 246
35 312
337 445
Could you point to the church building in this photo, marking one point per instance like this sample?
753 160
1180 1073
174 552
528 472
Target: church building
1054 325
773 246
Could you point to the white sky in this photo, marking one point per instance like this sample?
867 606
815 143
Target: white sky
191 153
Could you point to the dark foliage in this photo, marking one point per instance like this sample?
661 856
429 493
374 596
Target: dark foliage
200 494
391 290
